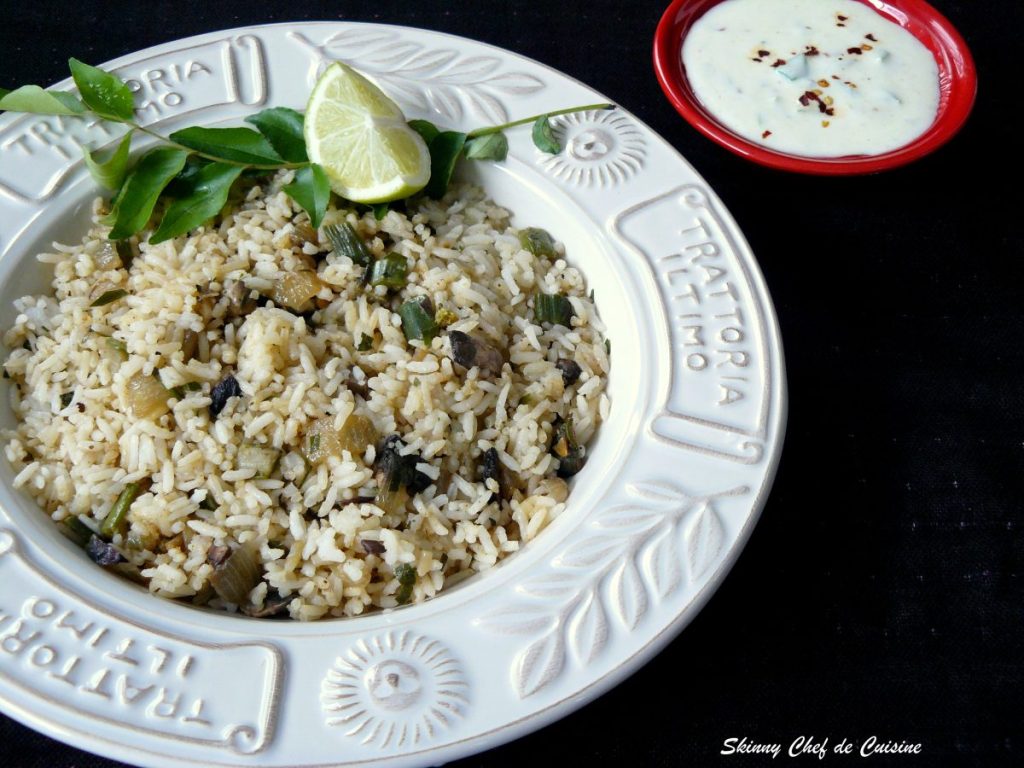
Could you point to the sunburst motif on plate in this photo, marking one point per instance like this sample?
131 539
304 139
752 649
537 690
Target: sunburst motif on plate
601 148
394 689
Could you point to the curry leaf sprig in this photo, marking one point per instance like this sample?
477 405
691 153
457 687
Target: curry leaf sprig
490 143
195 168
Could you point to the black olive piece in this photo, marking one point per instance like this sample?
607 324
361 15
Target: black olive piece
416 481
463 349
492 470
102 552
570 371
357 387
217 554
571 464
388 466
241 300
392 469
372 547
274 606
467 352
224 390
570 454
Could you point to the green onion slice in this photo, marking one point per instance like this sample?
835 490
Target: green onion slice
109 297
552 308
390 271
418 320
347 243
538 242
406 575
115 519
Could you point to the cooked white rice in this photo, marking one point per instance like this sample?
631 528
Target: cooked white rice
79 441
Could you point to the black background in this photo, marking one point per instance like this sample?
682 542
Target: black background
881 591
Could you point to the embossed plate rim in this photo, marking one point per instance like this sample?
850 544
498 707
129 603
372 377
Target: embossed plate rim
573 689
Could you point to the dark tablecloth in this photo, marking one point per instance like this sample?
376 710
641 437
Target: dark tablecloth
881 592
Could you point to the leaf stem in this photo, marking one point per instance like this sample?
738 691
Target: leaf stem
526 120
214 158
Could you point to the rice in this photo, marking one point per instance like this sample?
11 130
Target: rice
325 542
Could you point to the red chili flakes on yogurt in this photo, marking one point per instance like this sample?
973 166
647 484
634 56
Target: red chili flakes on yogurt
811 62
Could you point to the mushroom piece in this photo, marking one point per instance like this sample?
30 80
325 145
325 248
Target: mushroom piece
240 300
468 351
491 468
570 371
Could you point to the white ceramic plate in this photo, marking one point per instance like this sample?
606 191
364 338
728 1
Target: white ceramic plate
672 488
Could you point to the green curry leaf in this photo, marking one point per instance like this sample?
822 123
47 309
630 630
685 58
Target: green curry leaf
235 145
544 136
312 191
282 127
493 146
109 173
105 94
210 189
37 101
135 202
444 154
426 129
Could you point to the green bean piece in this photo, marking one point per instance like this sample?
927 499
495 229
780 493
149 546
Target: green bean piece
77 530
418 320
552 308
109 297
117 345
347 243
116 517
390 271
404 594
406 575
538 242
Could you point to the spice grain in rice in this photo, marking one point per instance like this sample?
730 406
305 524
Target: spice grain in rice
290 450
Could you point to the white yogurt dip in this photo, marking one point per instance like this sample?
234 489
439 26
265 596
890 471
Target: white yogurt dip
818 78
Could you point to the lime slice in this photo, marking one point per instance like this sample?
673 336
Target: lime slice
361 139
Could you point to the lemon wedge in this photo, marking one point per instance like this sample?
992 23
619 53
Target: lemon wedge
362 140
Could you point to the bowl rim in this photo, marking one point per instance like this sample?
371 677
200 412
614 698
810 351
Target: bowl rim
304 670
957 72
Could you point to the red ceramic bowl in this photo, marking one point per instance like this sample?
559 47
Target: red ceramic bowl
958 84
